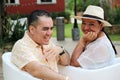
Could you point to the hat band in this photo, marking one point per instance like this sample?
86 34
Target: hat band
91 16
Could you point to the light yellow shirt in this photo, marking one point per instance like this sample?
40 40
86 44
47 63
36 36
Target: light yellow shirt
26 50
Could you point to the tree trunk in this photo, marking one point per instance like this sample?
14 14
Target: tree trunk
0 20
111 6
2 12
104 4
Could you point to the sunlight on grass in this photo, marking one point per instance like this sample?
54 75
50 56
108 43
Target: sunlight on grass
115 37
68 31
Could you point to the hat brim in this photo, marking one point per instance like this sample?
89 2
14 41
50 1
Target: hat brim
106 23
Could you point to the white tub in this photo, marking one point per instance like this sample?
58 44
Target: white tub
11 72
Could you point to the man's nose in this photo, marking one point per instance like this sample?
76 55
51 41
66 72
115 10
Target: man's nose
49 31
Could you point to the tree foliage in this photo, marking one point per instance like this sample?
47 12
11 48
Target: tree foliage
80 4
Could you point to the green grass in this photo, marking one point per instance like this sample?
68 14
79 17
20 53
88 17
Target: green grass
68 32
115 37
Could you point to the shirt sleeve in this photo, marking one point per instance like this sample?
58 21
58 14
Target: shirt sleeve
21 56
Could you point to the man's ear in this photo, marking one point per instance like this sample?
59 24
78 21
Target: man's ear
31 29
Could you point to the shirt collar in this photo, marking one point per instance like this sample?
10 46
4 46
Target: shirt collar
30 40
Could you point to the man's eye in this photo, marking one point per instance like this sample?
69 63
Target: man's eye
45 29
52 28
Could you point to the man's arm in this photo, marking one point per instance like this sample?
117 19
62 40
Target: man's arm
64 59
42 72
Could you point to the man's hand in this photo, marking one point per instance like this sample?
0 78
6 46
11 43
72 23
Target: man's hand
52 54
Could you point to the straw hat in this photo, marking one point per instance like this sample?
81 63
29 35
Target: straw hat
94 12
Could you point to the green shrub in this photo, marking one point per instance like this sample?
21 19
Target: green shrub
114 16
117 16
7 29
65 14
80 4
13 33
18 31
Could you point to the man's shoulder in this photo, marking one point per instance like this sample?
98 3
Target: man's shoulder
20 44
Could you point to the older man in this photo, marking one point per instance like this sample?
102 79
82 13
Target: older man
35 53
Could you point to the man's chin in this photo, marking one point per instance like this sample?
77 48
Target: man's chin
46 43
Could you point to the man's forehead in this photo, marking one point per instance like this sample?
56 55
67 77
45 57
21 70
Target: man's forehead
44 18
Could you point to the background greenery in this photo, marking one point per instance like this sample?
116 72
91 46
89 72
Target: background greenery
112 15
